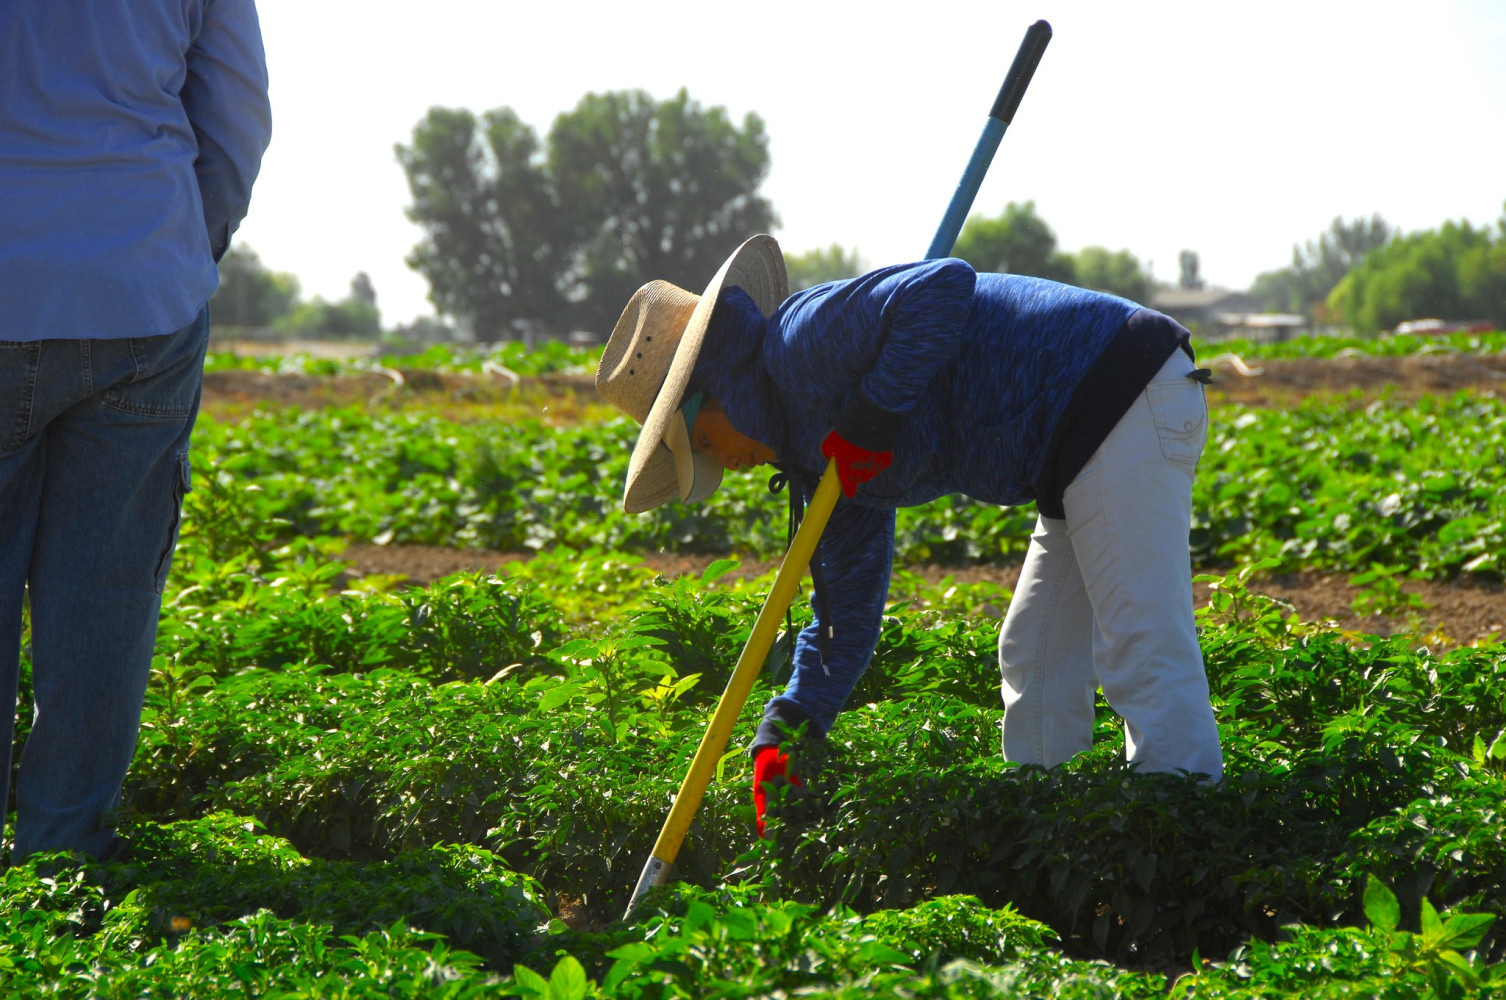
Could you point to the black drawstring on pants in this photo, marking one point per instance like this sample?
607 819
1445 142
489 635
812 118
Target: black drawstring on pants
777 482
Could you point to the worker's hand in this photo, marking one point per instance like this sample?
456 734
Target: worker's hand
768 765
855 464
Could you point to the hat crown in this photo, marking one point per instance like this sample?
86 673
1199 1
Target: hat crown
646 366
642 346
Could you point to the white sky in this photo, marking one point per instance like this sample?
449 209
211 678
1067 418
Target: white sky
1231 129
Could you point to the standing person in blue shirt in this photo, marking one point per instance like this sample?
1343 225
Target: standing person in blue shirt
927 379
130 135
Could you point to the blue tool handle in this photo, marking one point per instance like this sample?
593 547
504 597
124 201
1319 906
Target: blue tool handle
1037 36
967 189
1005 105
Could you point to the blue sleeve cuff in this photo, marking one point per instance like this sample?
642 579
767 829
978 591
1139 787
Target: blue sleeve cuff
782 719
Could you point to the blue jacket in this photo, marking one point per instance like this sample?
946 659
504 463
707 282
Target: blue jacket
1003 386
130 135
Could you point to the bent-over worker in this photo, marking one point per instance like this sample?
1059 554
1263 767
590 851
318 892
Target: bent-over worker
926 379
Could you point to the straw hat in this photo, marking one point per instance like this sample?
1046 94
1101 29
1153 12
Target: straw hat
647 364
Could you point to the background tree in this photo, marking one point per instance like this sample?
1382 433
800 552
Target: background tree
652 189
1319 265
355 317
251 294
1118 272
625 189
362 290
1188 267
493 248
1017 242
812 267
1456 272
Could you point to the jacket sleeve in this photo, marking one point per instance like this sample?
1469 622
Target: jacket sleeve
857 551
225 96
920 326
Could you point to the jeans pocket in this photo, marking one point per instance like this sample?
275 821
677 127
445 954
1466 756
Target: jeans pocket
169 373
182 486
1180 413
19 362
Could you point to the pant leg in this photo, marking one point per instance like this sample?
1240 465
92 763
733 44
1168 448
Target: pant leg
1046 654
21 467
1129 512
117 469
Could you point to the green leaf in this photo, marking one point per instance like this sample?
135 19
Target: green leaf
556 696
1381 907
575 647
721 763
1464 930
1462 969
1432 927
638 641
568 980
529 983
879 953
717 570
698 915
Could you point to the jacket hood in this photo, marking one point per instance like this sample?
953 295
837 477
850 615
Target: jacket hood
731 368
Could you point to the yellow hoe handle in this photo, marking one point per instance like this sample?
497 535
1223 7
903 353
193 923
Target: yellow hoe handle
739 686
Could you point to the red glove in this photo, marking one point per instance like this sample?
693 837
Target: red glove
855 464
768 764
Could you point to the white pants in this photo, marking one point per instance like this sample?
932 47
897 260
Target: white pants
1105 599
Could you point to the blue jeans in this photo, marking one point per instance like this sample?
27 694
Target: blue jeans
93 469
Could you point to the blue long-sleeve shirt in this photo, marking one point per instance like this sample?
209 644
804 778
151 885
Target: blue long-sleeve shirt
130 136
1002 385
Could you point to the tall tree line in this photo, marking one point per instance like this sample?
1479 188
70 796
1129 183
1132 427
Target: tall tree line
560 232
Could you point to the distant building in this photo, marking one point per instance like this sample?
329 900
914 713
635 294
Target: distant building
1218 314
1260 326
1199 309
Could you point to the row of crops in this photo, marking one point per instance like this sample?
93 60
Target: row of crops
554 356
351 788
544 358
1420 488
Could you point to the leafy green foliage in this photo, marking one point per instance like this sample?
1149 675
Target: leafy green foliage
1434 951
547 357
1455 272
1117 272
1343 759
250 294
348 319
1389 345
562 232
1017 242
1420 487
831 263
1319 265
494 241
212 908
346 787
470 625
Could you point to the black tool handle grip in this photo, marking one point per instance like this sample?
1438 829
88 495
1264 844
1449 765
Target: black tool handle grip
1037 36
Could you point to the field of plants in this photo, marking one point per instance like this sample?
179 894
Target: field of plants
351 786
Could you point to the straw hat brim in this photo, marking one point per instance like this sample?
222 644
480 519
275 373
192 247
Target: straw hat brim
757 267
